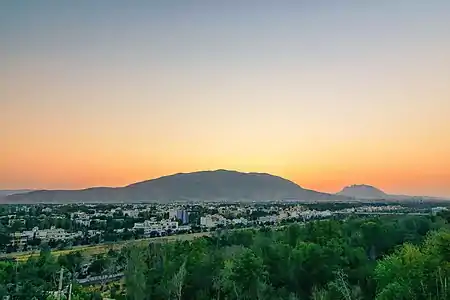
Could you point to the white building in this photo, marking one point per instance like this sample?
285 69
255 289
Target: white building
47 210
213 220
207 221
92 233
44 235
19 239
184 227
267 219
242 221
436 210
159 227
55 234
131 213
83 222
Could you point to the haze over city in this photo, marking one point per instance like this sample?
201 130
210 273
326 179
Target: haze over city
103 93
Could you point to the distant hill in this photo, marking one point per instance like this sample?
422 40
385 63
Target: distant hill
368 192
219 185
363 191
4 193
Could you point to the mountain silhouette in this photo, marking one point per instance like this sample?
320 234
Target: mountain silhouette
219 185
4 193
363 191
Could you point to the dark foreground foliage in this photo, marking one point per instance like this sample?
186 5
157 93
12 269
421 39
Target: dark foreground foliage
381 258
406 257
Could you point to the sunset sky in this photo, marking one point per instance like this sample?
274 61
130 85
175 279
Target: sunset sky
325 93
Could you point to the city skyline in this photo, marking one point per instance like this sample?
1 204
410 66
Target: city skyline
108 93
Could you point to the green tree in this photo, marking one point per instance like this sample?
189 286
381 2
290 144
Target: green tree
244 276
135 275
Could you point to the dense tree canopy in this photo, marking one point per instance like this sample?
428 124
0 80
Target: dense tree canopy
405 257
329 259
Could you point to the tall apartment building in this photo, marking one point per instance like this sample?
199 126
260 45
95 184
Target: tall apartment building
178 214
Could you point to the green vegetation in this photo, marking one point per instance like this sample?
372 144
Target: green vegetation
353 259
405 257
90 250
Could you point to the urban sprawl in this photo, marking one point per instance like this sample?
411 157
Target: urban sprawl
28 227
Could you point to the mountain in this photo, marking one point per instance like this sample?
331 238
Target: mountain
4 193
219 185
363 191
368 192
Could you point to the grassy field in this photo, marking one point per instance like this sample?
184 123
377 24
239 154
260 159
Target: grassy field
101 248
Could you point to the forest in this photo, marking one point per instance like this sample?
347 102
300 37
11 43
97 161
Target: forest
389 257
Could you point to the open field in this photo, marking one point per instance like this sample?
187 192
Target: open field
101 248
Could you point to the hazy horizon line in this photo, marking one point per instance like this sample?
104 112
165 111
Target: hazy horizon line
215 170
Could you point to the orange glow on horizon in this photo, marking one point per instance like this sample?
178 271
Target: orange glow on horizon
322 95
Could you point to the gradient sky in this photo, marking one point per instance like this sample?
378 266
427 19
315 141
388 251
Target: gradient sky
325 93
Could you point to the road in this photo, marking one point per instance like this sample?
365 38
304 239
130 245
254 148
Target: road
381 213
101 279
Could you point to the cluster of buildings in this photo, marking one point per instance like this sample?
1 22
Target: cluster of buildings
44 235
215 220
149 220
438 209
372 209
158 228
170 220
273 217
177 222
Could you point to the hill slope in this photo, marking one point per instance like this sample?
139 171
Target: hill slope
220 185
363 191
4 193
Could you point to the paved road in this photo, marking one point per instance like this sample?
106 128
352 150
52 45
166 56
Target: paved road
101 278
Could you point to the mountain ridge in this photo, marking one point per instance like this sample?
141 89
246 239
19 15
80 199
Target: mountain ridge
369 192
216 185
4 193
362 191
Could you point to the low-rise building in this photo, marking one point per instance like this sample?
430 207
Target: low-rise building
45 235
436 210
19 239
85 223
213 220
267 219
184 227
158 227
92 233
207 221
47 210
132 213
241 221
